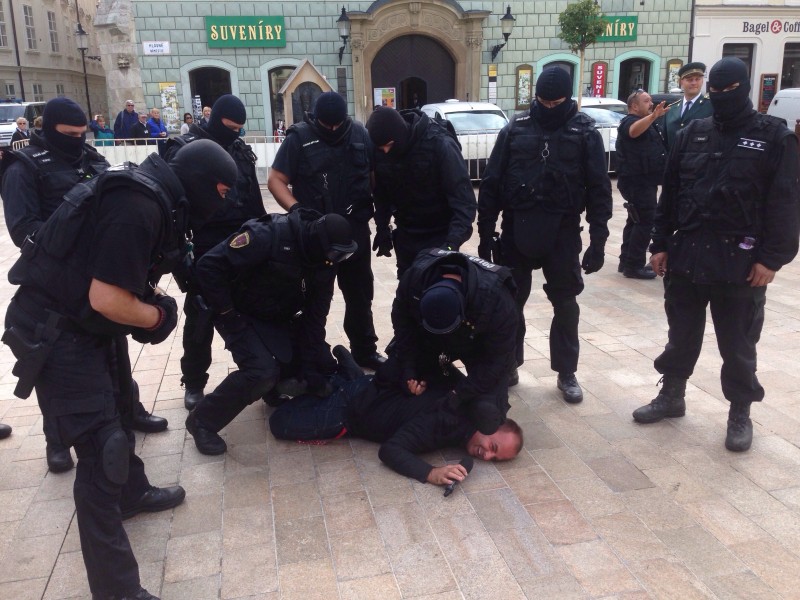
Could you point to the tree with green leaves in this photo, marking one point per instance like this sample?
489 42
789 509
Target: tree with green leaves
581 24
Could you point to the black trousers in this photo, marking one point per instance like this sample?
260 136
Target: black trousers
257 374
738 315
563 282
356 282
407 245
642 197
77 386
198 334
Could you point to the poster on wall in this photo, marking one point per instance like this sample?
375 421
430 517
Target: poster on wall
197 108
384 97
673 81
524 86
493 84
170 107
769 82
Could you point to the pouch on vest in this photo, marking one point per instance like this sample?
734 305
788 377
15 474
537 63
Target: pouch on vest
535 230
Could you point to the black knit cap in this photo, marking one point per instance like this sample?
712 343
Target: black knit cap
554 83
728 71
386 125
330 108
228 107
62 111
442 307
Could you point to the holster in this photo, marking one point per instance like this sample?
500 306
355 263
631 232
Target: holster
204 316
633 212
31 354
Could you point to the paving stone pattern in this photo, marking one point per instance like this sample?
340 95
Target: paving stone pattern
595 506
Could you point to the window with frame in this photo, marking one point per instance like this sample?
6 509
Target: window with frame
3 36
30 29
38 93
51 25
60 90
741 51
11 90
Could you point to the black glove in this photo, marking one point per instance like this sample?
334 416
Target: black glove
168 320
231 321
383 242
449 246
594 257
485 247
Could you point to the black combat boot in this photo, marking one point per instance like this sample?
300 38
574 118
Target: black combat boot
570 388
740 427
670 402
191 398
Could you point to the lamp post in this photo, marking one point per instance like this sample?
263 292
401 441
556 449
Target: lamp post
506 26
343 23
83 45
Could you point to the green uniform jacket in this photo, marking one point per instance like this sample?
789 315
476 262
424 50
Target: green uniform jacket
674 121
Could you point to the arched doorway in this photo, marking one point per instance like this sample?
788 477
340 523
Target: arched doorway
209 83
415 64
634 74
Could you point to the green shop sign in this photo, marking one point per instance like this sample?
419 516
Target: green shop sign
245 32
619 29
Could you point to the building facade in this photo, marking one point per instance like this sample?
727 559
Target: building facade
278 55
39 56
764 34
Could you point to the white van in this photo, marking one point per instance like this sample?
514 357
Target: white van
10 112
786 105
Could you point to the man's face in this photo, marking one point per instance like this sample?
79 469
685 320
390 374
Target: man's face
22 124
643 105
232 125
550 103
692 84
501 445
129 106
71 130
142 118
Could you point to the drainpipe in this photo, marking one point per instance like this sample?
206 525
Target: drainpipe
691 33
16 48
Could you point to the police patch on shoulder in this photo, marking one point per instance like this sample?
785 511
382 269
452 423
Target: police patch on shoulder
752 144
241 240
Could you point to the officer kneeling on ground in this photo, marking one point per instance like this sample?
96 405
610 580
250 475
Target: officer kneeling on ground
86 277
270 287
448 307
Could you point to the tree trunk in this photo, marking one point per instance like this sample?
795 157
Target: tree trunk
580 77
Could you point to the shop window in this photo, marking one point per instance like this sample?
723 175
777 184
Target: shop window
277 77
524 86
744 52
790 74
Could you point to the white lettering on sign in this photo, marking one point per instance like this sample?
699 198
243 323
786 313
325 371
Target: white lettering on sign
151 48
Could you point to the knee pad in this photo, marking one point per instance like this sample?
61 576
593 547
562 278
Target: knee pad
114 455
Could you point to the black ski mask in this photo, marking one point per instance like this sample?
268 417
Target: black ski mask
63 111
329 239
553 83
226 107
200 166
551 119
733 104
388 125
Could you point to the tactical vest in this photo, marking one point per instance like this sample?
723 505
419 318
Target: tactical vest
54 261
546 169
55 177
414 183
275 289
724 179
643 155
334 178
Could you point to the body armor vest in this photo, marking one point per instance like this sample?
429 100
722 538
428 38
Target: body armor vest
644 155
334 178
546 169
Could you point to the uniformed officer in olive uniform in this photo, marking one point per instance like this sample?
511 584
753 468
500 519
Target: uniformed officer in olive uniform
547 167
693 105
35 179
327 159
86 278
244 202
727 220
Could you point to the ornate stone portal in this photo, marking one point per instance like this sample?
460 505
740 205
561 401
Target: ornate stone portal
116 35
460 32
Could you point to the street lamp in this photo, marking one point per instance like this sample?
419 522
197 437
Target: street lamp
506 26
83 45
343 23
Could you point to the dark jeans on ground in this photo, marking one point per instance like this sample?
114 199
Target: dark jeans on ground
738 315
562 273
356 282
642 196
77 386
197 337
408 245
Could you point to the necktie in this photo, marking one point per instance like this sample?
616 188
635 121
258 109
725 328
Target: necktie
687 107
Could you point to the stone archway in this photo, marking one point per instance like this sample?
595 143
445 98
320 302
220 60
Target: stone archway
460 32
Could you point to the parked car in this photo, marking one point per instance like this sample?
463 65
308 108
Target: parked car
607 114
10 112
786 105
477 125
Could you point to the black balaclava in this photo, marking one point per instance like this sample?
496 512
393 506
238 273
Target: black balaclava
63 111
226 107
331 109
200 166
553 83
441 307
386 125
732 105
328 239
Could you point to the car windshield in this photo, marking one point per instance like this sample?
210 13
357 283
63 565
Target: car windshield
477 121
11 113
604 117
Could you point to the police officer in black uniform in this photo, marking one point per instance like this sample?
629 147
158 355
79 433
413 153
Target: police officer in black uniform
35 179
422 181
641 156
244 202
87 277
547 167
727 220
270 287
327 159
450 306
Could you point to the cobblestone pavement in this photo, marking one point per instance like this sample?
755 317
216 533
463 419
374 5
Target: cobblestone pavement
595 506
